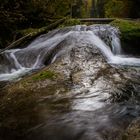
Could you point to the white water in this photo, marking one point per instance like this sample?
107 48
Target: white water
15 63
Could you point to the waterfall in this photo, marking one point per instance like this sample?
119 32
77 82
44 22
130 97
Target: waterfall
47 48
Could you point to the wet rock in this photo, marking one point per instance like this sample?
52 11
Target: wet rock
133 131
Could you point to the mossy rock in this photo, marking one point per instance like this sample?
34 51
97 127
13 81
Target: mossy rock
129 29
45 75
130 35
70 22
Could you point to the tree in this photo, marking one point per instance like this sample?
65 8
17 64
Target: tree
135 9
21 14
118 8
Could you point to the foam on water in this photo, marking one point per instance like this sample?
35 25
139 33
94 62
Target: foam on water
14 74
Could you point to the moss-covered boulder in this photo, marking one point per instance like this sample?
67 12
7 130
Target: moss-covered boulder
130 35
129 28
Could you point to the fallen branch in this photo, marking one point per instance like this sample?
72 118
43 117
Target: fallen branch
31 36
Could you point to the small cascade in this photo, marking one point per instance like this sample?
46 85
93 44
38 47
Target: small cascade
15 61
109 35
116 45
47 48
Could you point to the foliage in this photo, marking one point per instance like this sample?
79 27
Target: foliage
21 14
135 9
70 22
18 15
101 8
117 8
130 35
129 29
86 8
28 31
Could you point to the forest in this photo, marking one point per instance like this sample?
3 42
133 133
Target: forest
18 15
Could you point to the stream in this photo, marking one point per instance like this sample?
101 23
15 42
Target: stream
46 48
103 95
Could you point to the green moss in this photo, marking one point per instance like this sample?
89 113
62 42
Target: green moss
70 22
129 29
38 31
45 75
45 29
28 31
130 35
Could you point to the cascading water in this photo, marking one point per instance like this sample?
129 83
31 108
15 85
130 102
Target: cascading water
46 48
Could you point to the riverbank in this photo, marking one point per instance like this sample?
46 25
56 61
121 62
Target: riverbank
130 35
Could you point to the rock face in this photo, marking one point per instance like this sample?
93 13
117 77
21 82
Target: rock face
77 97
